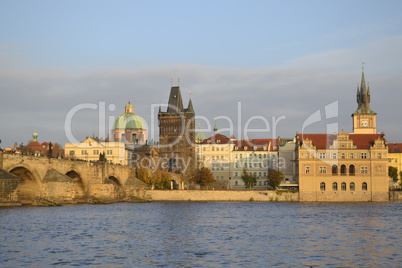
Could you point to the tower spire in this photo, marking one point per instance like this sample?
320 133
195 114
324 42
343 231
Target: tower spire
363 96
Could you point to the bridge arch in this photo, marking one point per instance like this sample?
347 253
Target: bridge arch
30 185
79 191
118 187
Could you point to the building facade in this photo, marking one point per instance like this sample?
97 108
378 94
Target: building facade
91 150
228 158
395 160
342 166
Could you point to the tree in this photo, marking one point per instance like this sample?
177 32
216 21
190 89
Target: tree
400 178
248 179
203 177
393 173
274 178
143 175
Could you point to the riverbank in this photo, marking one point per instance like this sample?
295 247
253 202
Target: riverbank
185 196
220 195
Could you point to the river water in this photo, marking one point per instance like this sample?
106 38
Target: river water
191 234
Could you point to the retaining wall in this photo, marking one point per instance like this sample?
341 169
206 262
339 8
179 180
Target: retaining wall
219 195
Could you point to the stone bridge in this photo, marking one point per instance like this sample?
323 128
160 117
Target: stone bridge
69 180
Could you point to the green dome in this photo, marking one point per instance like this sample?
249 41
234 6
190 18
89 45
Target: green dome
200 136
129 121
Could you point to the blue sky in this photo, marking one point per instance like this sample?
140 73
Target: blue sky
276 57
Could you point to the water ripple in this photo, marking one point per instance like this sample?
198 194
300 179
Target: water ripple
202 235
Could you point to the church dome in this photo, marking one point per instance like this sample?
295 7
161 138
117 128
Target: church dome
129 120
200 136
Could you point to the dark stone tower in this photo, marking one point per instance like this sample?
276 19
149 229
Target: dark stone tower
176 134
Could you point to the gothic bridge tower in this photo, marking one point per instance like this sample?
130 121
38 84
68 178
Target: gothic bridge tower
176 134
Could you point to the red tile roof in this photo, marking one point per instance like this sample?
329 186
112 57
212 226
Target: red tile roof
216 139
258 143
35 146
394 147
323 141
242 144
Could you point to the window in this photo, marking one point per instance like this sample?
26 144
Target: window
352 170
364 170
334 186
323 170
334 170
379 156
109 151
236 183
236 174
364 186
351 155
343 186
95 152
307 155
334 156
241 156
352 186
236 156
307 170
84 152
343 156
322 155
343 170
363 156
72 153
322 186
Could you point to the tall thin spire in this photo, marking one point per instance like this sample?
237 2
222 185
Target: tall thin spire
363 97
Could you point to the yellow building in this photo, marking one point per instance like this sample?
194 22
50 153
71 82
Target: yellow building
228 157
342 166
395 158
215 153
91 149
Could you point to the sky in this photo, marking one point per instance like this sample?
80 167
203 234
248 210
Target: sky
69 67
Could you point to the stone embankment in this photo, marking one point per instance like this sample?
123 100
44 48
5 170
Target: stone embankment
219 196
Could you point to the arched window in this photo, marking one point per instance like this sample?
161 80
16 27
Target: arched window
334 170
352 186
364 186
352 170
343 186
343 170
322 186
334 186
